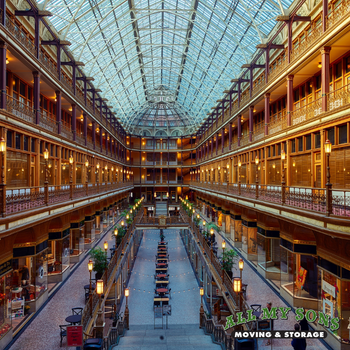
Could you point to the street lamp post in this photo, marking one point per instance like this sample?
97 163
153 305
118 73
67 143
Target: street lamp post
283 182
46 183
105 246
257 177
98 176
116 237
3 183
239 177
71 161
328 150
90 267
99 320
241 266
223 246
201 310
86 175
237 288
127 293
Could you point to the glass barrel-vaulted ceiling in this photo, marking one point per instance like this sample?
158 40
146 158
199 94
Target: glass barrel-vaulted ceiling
192 48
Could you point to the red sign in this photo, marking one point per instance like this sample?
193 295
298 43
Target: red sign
75 336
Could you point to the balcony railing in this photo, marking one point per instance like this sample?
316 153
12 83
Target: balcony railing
20 109
335 202
307 112
338 14
29 198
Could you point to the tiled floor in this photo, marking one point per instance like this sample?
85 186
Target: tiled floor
185 299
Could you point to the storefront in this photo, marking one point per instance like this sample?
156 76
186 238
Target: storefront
299 272
249 239
77 236
30 270
6 302
334 299
58 250
269 253
236 230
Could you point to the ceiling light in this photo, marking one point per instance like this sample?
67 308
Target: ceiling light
319 65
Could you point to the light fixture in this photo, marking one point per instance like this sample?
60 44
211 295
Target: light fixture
86 163
127 292
328 147
197 216
239 163
122 223
319 65
203 223
90 265
256 160
201 291
283 155
98 165
241 264
105 246
211 231
7 61
99 287
228 166
237 285
223 244
46 154
127 217
71 159
116 232
106 167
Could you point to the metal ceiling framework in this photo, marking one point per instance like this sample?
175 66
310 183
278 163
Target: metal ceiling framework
191 48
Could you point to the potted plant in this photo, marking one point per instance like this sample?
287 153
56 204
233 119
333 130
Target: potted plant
99 258
228 260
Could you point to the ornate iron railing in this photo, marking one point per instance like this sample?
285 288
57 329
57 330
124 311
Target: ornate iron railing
20 109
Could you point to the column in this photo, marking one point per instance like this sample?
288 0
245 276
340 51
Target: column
3 53
37 35
324 14
239 129
74 79
325 75
251 119
3 8
85 94
217 143
101 139
289 98
74 121
239 94
229 136
85 127
36 96
267 113
106 140
250 81
212 146
58 48
267 64
58 112
222 140
93 101
94 134
289 28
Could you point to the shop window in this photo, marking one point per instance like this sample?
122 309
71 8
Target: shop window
9 138
41 146
317 140
274 172
52 150
347 64
307 142
6 302
330 135
25 143
300 144
340 167
338 70
279 149
331 73
18 141
301 170
342 134
293 146
318 82
296 95
17 169
33 144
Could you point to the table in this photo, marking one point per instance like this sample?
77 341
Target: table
161 275
161 264
162 282
93 286
257 314
161 299
160 269
17 291
74 319
162 290
162 259
161 248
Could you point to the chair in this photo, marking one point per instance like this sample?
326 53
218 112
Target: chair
256 307
77 311
63 331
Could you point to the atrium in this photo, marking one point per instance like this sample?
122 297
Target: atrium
210 138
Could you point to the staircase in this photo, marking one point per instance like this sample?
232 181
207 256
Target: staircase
179 337
161 208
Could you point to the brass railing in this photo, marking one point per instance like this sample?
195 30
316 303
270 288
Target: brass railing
29 198
20 109
334 202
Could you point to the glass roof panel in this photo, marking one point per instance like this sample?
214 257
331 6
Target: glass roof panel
190 49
